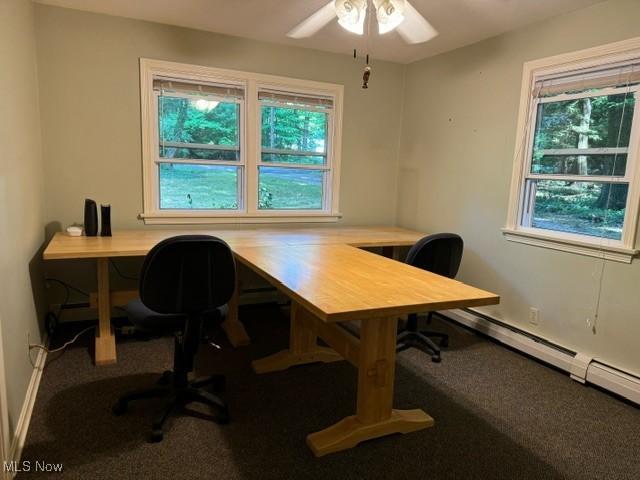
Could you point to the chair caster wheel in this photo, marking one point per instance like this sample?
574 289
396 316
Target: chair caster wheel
435 358
120 408
156 436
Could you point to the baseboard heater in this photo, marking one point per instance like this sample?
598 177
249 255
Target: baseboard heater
580 367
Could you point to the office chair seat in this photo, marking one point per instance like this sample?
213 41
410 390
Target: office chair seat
185 284
149 321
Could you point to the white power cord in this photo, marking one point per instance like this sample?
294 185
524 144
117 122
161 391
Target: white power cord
42 347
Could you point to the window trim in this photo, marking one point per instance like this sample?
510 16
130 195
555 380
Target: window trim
250 144
623 250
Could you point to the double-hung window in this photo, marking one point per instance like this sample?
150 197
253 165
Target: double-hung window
228 146
575 183
294 165
200 161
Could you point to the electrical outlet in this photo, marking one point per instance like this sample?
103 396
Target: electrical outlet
534 316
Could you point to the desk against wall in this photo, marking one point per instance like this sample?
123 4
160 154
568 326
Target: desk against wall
329 281
137 243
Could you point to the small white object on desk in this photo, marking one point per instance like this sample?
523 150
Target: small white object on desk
74 231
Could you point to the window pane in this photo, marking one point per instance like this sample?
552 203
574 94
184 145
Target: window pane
609 164
198 120
294 159
586 208
594 122
199 153
203 187
294 129
290 188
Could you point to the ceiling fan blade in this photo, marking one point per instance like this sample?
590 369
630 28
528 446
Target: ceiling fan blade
315 22
414 28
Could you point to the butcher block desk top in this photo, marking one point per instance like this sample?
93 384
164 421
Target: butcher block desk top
338 282
137 243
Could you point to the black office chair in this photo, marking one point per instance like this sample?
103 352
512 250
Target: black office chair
440 253
185 281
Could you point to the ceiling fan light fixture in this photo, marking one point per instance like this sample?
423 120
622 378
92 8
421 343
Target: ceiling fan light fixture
351 15
390 14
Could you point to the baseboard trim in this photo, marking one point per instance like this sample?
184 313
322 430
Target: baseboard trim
22 427
624 384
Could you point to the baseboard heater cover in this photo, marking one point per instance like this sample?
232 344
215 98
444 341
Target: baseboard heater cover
581 368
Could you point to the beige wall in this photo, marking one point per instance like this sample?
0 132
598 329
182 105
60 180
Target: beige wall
89 80
455 162
21 198
90 104
456 157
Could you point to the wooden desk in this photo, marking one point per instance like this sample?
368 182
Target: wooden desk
136 243
330 283
132 243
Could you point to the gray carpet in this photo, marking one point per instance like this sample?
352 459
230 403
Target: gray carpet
498 415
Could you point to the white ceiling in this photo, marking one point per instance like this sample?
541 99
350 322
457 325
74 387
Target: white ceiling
460 22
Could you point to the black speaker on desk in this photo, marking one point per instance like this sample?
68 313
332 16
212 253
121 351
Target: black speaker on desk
90 218
105 220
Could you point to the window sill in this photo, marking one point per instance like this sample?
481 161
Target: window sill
608 252
201 218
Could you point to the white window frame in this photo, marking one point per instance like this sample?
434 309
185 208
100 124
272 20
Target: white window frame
240 164
622 250
328 167
250 146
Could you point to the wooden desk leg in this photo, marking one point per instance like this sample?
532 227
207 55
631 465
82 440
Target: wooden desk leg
105 351
232 326
303 346
375 416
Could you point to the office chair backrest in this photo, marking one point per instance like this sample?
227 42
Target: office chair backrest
188 274
440 253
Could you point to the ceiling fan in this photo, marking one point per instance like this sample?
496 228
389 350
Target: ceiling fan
397 15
